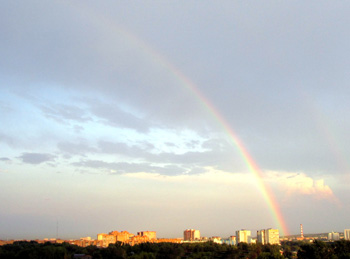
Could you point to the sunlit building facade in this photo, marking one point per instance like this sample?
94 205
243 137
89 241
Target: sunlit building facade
333 236
347 234
104 240
150 234
268 236
191 235
243 236
272 236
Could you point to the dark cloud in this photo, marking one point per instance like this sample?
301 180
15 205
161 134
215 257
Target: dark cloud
36 158
6 159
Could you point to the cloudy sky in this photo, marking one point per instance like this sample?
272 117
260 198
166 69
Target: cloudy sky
115 115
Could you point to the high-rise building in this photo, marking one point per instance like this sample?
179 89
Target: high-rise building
243 236
333 236
268 236
347 234
260 236
272 236
191 235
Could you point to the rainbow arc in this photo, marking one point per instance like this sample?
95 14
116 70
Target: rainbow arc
154 56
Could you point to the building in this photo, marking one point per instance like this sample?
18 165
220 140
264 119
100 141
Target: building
229 241
216 240
243 236
150 234
268 236
123 236
333 236
103 240
261 236
347 234
272 236
169 240
191 235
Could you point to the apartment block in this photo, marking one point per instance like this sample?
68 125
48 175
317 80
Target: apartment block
243 236
150 234
191 235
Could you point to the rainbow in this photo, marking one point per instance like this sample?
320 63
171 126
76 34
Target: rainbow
247 158
158 59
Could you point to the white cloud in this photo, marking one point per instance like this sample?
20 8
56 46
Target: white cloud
295 183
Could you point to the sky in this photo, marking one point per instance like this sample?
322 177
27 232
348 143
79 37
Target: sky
168 115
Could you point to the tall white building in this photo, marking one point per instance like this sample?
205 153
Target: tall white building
243 236
347 234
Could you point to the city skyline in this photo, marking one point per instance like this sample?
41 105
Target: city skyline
263 236
164 115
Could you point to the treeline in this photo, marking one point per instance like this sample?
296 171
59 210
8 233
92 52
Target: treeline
302 250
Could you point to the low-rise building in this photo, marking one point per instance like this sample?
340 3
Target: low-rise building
105 239
152 235
229 241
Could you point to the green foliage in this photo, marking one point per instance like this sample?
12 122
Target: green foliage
301 250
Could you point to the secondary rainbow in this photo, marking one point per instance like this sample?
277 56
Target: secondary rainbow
155 57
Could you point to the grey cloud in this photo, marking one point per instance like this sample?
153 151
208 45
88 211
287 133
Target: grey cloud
220 155
6 159
136 151
170 144
62 113
7 139
80 148
78 129
114 116
83 147
193 144
172 170
124 167
4 107
109 63
36 158
257 77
